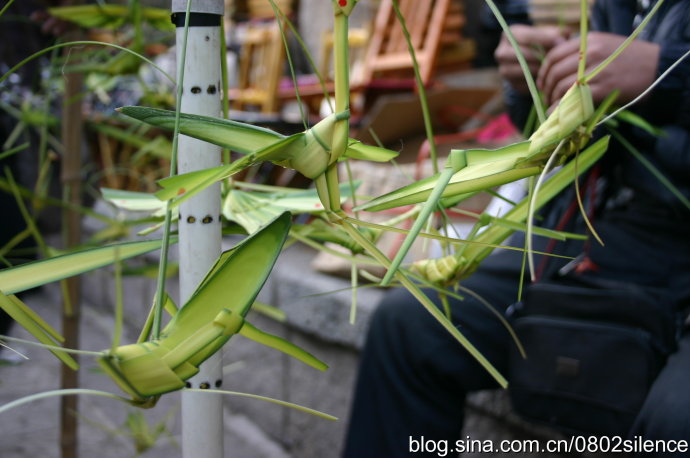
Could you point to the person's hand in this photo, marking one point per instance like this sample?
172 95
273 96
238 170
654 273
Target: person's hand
534 43
631 73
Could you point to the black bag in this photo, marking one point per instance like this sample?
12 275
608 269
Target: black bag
593 351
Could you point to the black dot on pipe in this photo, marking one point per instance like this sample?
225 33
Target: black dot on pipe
191 219
207 219
211 89
207 38
219 383
188 385
204 385
196 90
218 218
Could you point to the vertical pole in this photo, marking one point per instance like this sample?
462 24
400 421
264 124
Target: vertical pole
199 223
70 178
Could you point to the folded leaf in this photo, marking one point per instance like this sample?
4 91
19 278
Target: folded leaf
358 150
495 234
251 332
35 325
36 273
461 184
241 270
480 169
574 109
213 313
131 200
188 184
237 136
252 210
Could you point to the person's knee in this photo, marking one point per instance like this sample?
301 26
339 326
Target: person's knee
663 417
401 330
394 314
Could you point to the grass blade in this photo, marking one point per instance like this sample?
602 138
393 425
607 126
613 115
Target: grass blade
38 328
426 116
251 332
82 43
536 99
421 220
267 399
605 63
36 273
55 393
428 305
533 199
651 168
4 8
237 136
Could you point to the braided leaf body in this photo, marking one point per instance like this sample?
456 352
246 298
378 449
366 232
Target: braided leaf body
574 109
440 271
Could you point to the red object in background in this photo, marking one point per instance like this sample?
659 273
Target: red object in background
497 130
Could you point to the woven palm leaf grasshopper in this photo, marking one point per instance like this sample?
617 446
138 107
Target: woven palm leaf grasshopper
214 313
314 153
468 172
567 129
309 152
448 270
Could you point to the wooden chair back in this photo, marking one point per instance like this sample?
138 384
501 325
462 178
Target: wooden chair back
260 67
388 50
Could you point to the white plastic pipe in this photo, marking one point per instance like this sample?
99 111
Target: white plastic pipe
199 223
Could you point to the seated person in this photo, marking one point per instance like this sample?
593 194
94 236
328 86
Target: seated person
414 376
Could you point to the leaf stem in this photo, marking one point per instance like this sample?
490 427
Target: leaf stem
267 399
4 8
291 66
536 99
225 83
648 90
50 347
605 63
532 204
427 303
165 242
67 392
420 87
651 168
582 62
82 43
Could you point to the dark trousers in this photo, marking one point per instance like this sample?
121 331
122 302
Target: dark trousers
414 376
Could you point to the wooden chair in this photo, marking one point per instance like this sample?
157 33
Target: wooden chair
432 24
257 9
358 39
436 30
310 89
260 68
262 9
